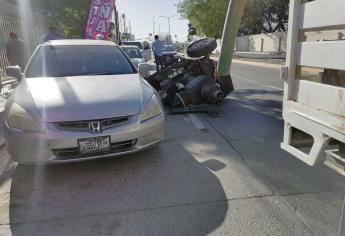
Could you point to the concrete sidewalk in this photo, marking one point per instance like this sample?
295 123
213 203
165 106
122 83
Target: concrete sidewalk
260 63
267 63
261 55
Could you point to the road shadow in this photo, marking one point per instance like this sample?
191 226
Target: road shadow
261 101
251 114
163 191
252 122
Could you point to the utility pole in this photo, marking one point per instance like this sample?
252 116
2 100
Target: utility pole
154 26
117 26
231 27
169 17
124 23
159 27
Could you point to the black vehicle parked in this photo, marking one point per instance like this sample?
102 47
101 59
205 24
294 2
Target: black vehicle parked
169 55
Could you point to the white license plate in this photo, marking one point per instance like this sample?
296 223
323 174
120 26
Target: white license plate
94 145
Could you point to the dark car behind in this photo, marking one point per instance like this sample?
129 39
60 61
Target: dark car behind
169 55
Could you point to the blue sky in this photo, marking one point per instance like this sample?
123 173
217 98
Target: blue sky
141 13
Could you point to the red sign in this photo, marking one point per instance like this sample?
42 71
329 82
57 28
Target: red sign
99 20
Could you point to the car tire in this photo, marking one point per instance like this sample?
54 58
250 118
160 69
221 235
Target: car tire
202 47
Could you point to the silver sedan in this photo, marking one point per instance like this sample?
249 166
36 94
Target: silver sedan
134 54
80 100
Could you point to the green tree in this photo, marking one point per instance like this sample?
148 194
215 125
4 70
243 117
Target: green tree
191 31
71 15
207 16
261 16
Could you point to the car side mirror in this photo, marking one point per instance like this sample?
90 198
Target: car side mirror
14 71
145 69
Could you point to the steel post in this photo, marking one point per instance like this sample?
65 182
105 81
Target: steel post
231 27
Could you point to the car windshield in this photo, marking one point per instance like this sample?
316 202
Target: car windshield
168 48
138 44
132 52
61 61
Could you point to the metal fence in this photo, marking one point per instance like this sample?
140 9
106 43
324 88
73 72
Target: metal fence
7 25
34 35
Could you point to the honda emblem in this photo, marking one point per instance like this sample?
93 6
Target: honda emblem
95 127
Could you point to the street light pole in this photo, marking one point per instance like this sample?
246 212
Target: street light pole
231 27
159 27
169 26
169 17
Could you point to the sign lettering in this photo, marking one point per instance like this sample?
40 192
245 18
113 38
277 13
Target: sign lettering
99 20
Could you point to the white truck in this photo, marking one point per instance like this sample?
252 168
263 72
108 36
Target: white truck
314 79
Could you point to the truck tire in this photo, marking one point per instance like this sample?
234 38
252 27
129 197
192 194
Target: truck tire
202 47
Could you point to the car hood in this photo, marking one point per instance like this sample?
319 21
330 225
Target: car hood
86 97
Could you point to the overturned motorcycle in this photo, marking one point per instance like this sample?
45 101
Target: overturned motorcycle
193 79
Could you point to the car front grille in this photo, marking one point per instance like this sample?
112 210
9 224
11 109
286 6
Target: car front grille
168 59
73 153
84 125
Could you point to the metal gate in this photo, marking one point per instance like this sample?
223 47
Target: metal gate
7 25
11 23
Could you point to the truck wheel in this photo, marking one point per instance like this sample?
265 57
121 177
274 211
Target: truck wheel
202 47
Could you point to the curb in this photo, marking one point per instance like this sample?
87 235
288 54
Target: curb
253 63
306 71
260 55
261 64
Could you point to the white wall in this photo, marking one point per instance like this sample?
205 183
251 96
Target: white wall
328 35
270 42
274 42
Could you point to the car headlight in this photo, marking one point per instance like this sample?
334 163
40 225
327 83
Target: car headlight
18 118
152 109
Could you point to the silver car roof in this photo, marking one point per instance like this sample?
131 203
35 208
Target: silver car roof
129 46
79 42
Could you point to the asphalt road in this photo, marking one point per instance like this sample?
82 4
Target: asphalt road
216 174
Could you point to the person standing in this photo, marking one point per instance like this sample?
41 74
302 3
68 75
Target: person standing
52 35
15 51
157 47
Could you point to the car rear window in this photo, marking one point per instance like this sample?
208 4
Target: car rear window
138 44
61 61
168 48
132 52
